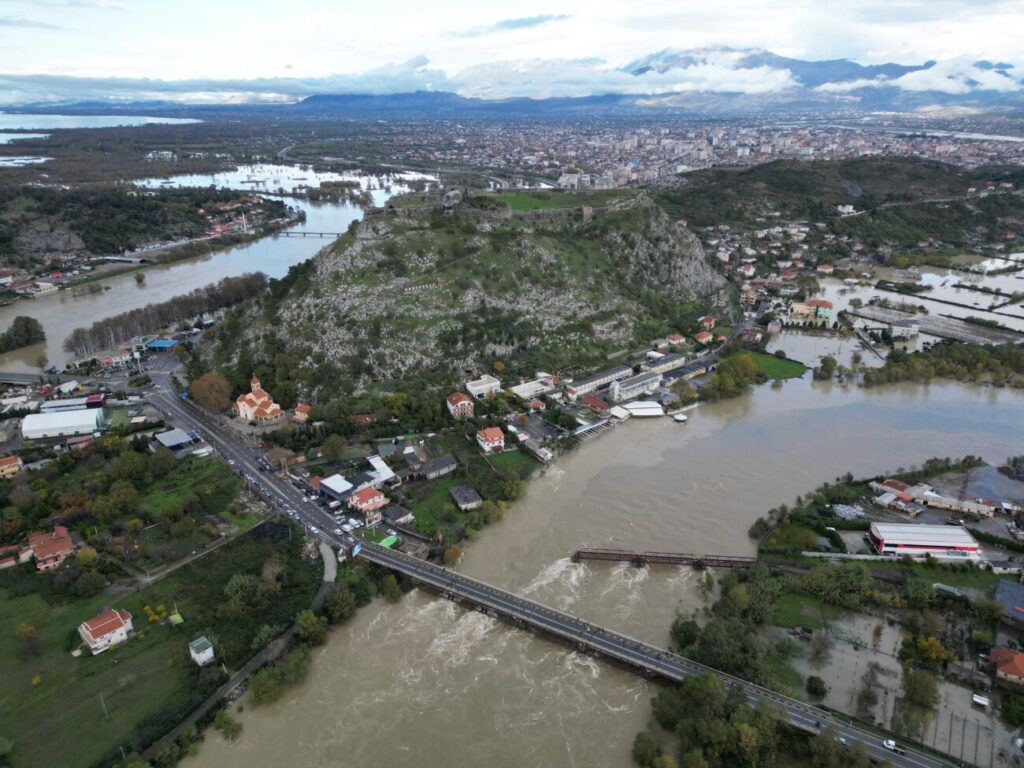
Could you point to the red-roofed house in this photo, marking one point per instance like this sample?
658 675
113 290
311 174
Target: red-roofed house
367 500
707 322
826 269
110 628
896 485
10 466
704 337
491 439
51 549
302 411
822 307
460 405
595 403
1009 665
258 405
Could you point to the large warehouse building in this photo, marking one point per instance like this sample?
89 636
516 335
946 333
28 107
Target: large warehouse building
948 541
56 424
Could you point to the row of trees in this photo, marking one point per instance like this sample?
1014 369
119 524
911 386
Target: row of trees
108 333
1002 365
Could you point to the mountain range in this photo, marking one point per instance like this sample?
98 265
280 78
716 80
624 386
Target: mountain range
707 81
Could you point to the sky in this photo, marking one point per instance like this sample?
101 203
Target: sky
230 50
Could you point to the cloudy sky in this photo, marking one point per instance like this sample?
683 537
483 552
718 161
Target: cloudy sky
226 49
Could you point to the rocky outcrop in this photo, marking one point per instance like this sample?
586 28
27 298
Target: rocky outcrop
429 296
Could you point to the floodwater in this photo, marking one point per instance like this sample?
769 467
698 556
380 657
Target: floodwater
16 122
62 312
426 683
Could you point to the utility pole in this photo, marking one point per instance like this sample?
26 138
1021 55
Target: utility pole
104 705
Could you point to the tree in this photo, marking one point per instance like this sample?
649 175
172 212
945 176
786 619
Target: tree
212 391
390 588
827 369
334 447
816 687
23 332
514 488
161 462
140 278
310 627
227 725
685 632
87 556
339 605
645 749
452 554
30 642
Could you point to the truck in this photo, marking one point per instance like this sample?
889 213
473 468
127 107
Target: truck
893 747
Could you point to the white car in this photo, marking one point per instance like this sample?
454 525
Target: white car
337 531
392 532
314 529
346 528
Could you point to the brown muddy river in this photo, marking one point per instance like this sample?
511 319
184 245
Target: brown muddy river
424 683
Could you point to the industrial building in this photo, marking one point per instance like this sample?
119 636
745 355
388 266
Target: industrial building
175 439
635 386
39 426
582 386
941 541
664 363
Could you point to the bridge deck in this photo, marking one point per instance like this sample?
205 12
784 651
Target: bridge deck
656 662
663 558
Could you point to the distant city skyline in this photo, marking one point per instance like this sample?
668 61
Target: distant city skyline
229 51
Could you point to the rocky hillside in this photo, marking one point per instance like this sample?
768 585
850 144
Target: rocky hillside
419 294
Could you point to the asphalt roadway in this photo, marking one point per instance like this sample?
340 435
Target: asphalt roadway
655 661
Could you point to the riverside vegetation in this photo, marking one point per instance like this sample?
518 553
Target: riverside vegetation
740 636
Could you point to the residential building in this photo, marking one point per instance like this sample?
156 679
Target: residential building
465 498
491 439
302 411
822 308
704 337
394 514
707 322
41 426
110 628
635 386
51 549
483 387
595 403
258 405
583 386
10 466
460 405
367 500
435 468
1009 665
201 651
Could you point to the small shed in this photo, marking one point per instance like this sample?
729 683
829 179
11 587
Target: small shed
201 650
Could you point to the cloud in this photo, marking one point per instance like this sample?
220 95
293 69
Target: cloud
540 78
103 5
7 21
512 25
954 76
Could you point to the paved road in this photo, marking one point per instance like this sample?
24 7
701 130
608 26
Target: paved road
657 661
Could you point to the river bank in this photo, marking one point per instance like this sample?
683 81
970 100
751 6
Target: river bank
437 673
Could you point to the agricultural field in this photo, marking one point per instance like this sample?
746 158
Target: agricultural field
778 367
133 694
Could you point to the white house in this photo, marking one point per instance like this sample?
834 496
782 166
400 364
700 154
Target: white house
201 650
110 628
